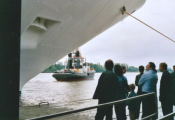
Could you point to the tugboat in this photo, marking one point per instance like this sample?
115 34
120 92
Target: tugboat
77 69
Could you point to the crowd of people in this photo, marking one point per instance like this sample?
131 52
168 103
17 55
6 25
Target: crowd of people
113 86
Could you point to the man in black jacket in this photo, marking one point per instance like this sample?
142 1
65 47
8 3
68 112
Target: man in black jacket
165 90
106 91
173 85
139 91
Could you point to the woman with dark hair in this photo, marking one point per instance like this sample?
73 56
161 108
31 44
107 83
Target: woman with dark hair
124 88
148 84
106 91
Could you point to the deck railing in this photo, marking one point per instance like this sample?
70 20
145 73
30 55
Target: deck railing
167 117
98 106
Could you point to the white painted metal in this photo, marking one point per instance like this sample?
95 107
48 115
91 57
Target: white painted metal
64 26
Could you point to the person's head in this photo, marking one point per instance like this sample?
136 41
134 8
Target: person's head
109 64
174 68
132 87
162 67
76 50
118 70
141 69
151 66
123 69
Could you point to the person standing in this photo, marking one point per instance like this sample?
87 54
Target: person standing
125 78
148 83
124 71
106 91
173 85
120 109
165 90
173 74
139 91
133 104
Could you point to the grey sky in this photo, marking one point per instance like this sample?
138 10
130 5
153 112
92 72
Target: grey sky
132 42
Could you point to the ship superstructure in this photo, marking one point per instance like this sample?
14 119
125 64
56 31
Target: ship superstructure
76 69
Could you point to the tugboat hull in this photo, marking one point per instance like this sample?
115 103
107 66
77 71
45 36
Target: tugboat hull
63 77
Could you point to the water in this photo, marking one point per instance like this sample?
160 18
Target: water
44 88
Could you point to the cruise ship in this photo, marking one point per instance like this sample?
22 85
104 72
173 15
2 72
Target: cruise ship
50 29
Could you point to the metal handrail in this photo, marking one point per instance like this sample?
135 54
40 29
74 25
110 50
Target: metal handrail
149 116
92 107
167 116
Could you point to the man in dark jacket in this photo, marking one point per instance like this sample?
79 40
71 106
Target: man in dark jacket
173 85
139 91
141 70
165 90
106 91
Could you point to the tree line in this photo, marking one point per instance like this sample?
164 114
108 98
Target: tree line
53 68
97 67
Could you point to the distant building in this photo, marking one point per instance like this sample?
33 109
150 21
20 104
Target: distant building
60 63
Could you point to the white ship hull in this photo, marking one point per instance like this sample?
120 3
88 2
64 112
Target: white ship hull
50 29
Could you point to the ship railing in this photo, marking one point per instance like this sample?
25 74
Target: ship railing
168 117
99 106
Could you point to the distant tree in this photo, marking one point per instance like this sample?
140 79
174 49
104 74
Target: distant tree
97 67
59 67
169 69
53 68
46 71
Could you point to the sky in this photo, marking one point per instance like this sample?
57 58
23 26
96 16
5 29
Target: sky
134 43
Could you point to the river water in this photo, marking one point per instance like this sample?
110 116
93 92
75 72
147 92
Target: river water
44 88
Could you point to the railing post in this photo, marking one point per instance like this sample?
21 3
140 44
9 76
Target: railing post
155 94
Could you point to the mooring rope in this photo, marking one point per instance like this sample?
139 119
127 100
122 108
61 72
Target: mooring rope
124 11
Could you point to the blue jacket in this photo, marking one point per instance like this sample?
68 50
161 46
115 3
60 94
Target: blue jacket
148 81
120 79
